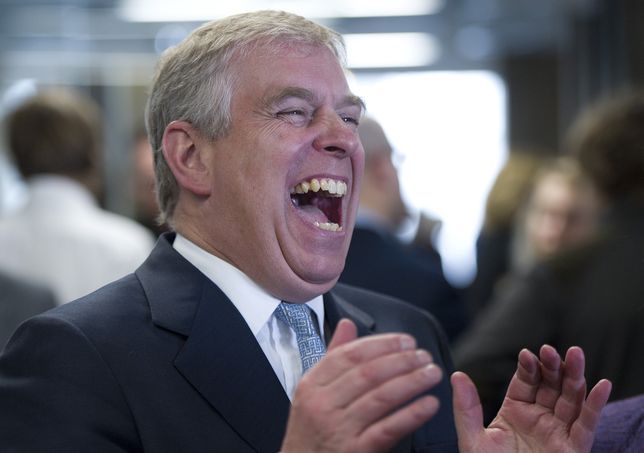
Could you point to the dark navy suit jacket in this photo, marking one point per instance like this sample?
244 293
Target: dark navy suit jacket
20 300
381 262
161 361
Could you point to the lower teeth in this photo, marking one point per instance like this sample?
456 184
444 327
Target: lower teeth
328 226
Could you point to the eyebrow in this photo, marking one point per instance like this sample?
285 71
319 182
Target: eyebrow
308 96
353 100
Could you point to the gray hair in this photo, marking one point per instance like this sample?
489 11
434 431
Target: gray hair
195 80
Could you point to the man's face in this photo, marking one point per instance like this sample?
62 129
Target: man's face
294 124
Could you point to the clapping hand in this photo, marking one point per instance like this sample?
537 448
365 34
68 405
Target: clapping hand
545 408
360 396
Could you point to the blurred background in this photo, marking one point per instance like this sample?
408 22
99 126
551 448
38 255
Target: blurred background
457 84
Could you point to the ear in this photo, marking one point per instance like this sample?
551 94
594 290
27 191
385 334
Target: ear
183 149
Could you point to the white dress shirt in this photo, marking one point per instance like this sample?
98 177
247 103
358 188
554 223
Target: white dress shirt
62 239
257 307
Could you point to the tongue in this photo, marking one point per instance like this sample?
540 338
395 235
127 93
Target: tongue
314 213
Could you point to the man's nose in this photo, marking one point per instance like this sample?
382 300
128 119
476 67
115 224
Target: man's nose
335 135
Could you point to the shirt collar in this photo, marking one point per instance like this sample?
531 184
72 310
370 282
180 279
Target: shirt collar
254 304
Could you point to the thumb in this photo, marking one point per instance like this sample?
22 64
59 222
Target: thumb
345 332
468 413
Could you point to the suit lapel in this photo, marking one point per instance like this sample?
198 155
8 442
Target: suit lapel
337 307
224 362
221 357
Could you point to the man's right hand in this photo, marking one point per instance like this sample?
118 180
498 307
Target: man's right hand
360 396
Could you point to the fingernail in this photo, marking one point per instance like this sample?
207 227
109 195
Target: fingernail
423 357
432 371
407 342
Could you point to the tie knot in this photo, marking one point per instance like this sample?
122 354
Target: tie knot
298 316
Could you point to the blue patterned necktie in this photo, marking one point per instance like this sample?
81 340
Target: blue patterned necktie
298 317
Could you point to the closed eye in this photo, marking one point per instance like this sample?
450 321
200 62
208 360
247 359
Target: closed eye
350 119
291 112
298 117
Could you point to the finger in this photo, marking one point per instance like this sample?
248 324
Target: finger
342 357
468 412
573 388
384 399
551 377
583 430
345 332
574 363
549 357
371 374
525 382
384 434
591 410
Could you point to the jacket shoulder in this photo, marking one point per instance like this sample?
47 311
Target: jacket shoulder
382 306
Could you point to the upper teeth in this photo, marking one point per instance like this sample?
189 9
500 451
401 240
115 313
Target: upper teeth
331 186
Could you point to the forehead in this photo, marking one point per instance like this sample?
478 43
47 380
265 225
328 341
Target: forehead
280 69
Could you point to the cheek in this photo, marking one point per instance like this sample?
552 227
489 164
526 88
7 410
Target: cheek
272 133
267 158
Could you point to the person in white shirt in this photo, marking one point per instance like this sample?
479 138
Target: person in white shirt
61 238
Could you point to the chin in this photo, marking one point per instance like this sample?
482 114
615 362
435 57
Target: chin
303 289
309 291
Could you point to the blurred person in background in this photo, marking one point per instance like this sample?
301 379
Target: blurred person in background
12 190
494 244
20 300
377 258
621 427
561 211
61 238
146 206
591 295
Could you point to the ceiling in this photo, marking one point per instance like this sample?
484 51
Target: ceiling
90 41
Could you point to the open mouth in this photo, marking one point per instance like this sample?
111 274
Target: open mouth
321 199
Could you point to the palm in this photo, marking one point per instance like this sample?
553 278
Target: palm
545 408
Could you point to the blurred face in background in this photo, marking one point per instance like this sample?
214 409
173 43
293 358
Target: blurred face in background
389 190
381 187
561 213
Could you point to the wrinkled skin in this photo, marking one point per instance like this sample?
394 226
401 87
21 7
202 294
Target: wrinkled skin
293 119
